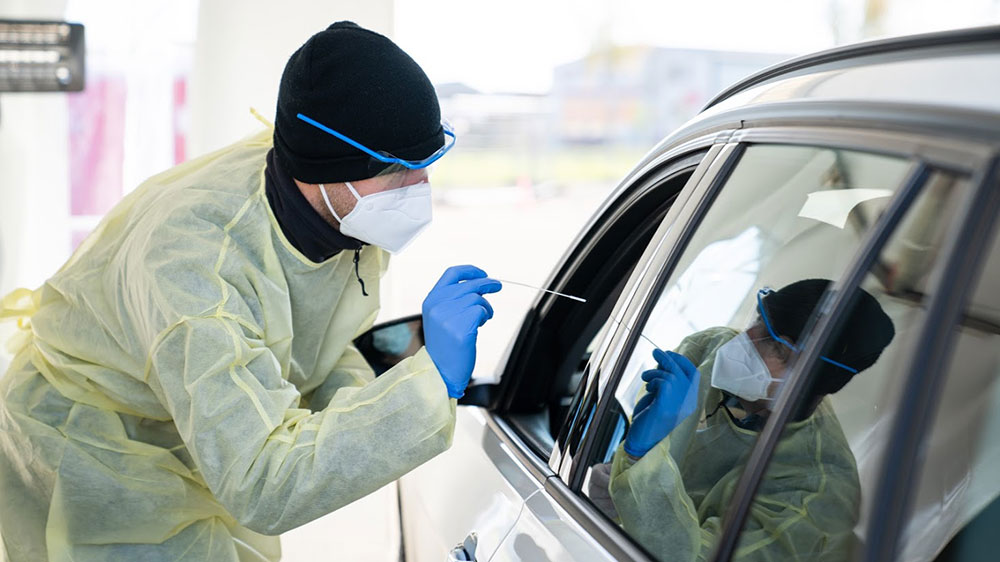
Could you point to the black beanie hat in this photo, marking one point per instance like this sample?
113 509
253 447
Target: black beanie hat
863 336
360 84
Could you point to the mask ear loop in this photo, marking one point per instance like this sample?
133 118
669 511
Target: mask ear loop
353 192
326 198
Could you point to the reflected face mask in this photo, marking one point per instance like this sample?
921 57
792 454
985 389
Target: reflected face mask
740 370
393 340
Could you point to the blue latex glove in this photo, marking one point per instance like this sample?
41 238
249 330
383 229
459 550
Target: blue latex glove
453 312
671 396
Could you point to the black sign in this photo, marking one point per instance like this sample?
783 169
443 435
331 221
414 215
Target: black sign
41 56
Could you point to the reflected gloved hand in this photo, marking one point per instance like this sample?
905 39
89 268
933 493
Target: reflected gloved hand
671 396
453 312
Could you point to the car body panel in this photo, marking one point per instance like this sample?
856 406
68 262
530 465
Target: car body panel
547 532
957 81
476 486
910 47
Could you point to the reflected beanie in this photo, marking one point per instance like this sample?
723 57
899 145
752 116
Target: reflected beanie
360 84
862 337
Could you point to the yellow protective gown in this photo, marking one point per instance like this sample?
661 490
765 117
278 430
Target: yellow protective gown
673 499
186 384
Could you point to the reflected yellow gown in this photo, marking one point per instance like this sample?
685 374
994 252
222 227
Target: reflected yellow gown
674 498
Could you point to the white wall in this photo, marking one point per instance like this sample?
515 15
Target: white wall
238 65
34 179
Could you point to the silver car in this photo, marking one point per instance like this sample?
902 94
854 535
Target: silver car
874 166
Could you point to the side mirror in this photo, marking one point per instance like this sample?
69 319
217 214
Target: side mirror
389 343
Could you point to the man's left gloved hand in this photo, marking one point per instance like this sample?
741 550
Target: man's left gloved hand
671 396
453 312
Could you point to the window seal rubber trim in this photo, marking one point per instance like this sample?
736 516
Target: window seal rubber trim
538 468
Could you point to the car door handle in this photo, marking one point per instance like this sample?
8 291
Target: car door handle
465 551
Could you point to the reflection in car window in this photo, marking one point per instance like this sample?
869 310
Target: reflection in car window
670 479
956 506
826 464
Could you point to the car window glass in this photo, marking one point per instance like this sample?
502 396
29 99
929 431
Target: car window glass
786 214
820 480
956 505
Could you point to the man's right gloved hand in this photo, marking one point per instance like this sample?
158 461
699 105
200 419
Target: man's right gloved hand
671 396
453 312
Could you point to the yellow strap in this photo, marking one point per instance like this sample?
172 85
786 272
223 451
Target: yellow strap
18 304
22 305
262 119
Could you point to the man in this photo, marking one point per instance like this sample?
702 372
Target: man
185 387
671 493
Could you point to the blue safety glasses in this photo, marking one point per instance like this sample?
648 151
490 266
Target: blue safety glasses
385 156
760 307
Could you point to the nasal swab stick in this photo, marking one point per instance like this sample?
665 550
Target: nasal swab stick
643 336
541 289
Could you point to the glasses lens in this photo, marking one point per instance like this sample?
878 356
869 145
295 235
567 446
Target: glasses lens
388 173
449 141
399 176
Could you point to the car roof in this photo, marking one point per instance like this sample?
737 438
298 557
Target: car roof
945 85
959 68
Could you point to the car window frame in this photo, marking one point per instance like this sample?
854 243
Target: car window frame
646 282
611 539
951 155
688 159
564 442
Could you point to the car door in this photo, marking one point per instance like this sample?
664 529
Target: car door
756 223
503 445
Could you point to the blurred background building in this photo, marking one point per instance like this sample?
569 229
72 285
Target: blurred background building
635 95
553 103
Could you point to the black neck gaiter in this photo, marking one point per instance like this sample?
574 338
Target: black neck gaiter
301 224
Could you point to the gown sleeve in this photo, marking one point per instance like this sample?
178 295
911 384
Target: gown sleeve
273 465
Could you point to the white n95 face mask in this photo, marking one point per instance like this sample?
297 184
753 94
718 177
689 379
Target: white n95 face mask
740 370
389 219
